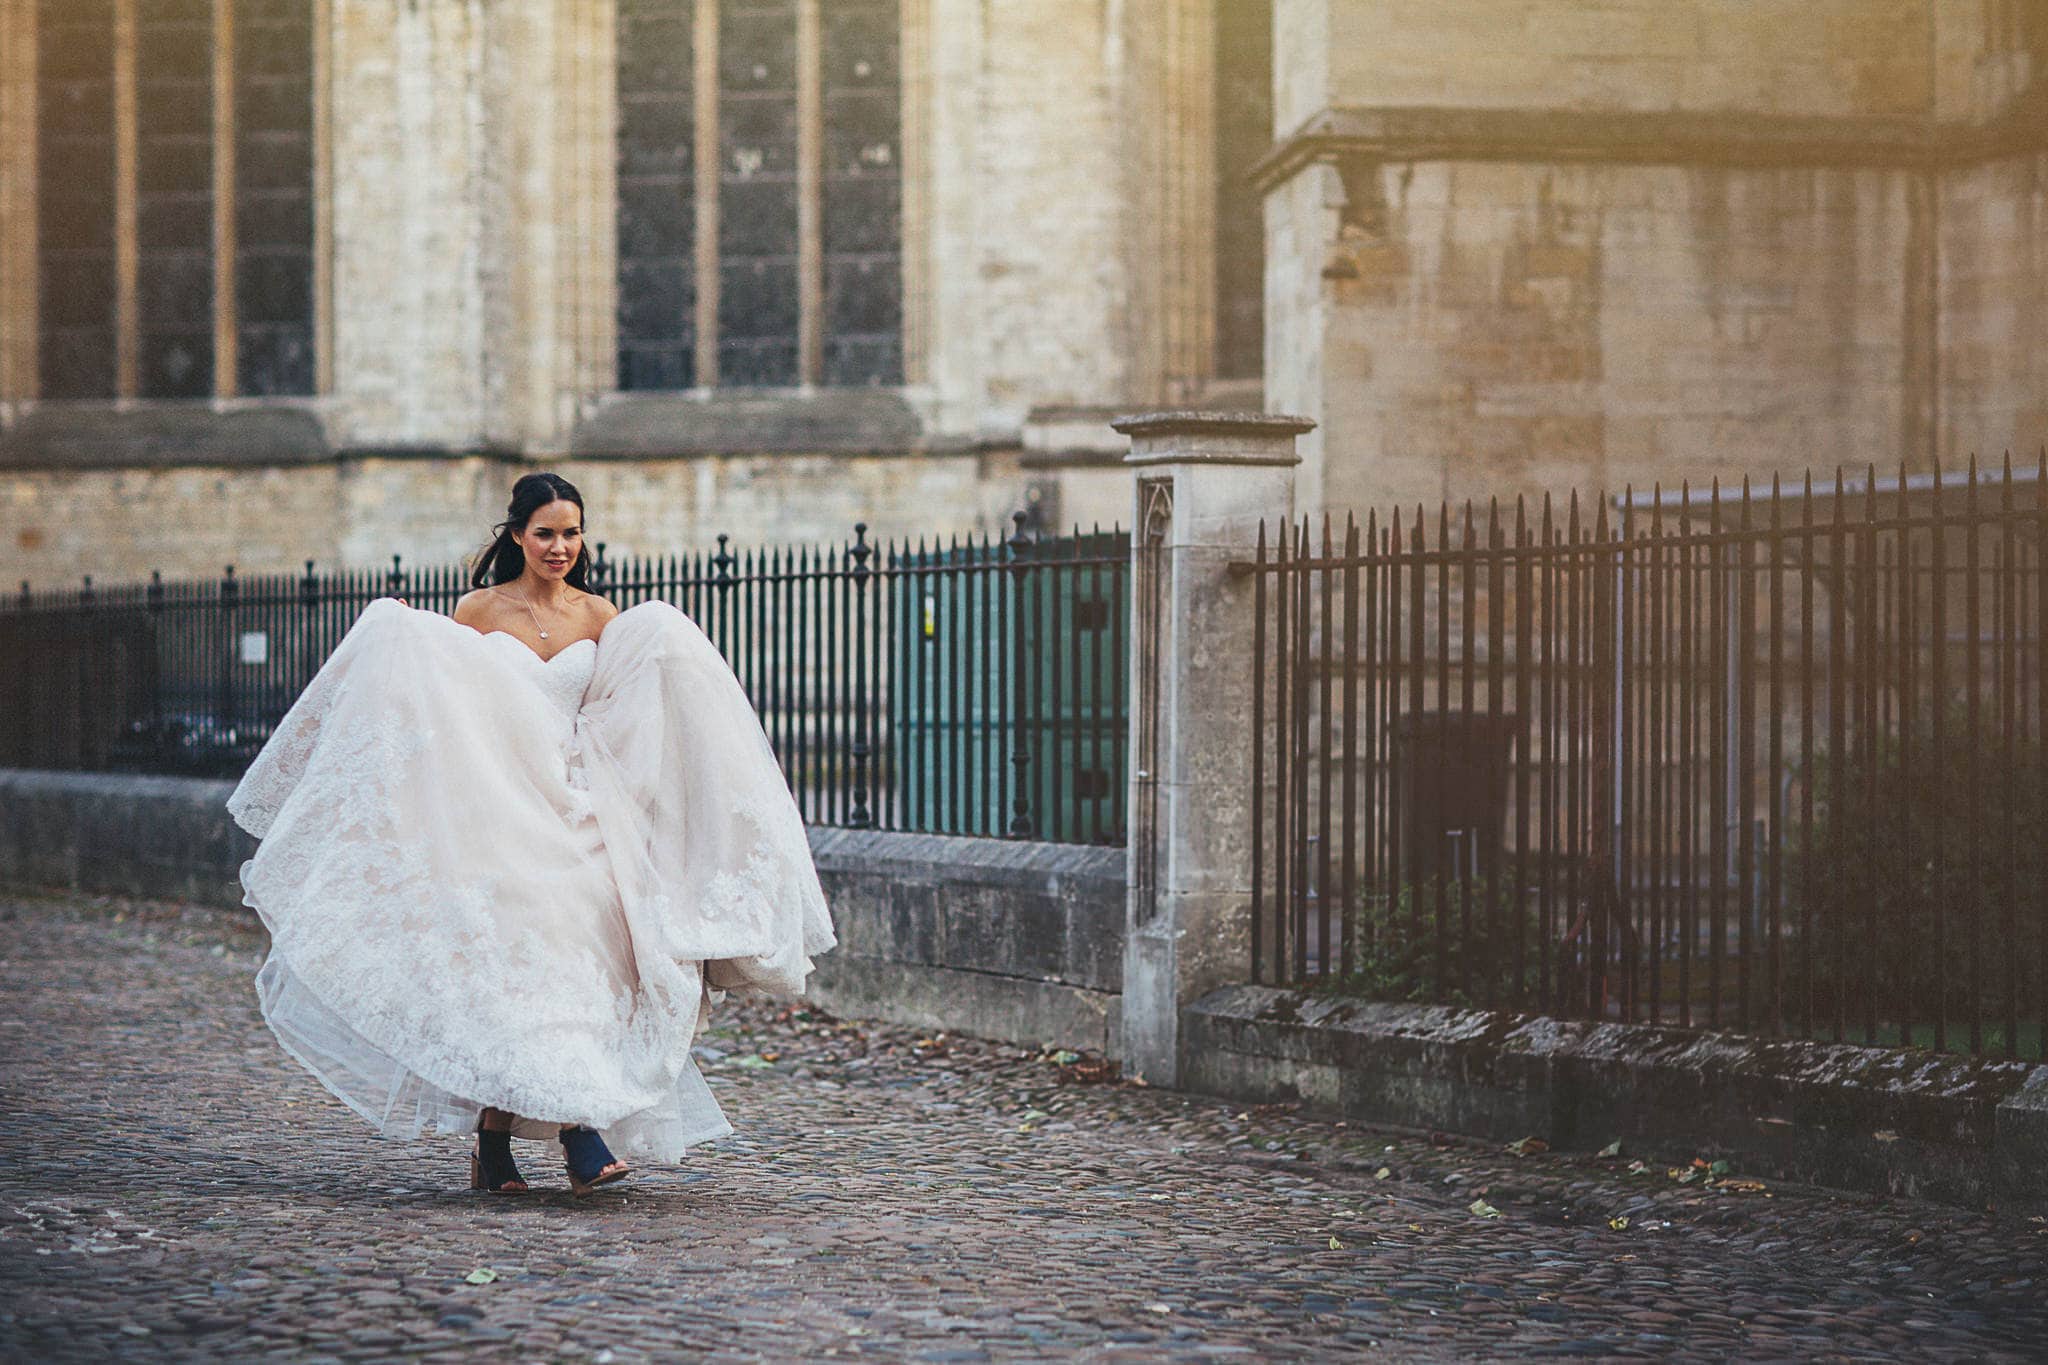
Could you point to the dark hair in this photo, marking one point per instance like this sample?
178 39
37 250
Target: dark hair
503 560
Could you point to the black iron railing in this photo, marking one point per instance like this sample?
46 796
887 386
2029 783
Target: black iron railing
974 686
1768 762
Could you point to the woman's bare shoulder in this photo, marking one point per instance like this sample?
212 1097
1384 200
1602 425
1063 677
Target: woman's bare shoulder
474 607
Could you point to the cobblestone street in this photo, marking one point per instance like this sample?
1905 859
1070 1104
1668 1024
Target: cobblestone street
174 1187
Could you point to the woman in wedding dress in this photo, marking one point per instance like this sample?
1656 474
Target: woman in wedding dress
508 862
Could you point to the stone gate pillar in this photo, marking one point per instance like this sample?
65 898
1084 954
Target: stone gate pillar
1203 481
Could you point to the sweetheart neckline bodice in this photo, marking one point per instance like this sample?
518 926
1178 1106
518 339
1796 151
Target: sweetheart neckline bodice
543 662
564 686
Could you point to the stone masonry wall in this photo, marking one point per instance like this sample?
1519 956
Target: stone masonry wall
1504 328
1994 343
1810 57
1609 288
1993 63
189 520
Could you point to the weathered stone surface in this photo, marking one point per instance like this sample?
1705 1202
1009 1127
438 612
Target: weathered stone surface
1954 1128
358 508
1006 1008
2019 1153
124 834
1518 251
1009 939
161 436
861 422
181 1190
1204 481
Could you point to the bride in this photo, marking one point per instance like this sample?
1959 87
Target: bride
508 861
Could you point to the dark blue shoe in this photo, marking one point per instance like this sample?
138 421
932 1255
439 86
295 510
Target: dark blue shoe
590 1162
491 1166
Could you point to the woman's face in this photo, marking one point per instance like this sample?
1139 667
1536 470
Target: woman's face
552 539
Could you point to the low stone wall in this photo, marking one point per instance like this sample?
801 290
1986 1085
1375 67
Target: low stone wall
164 838
1964 1131
1015 941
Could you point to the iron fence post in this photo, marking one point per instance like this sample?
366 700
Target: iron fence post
862 815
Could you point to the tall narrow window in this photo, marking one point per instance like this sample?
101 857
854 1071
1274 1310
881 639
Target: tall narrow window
863 195
175 198
75 236
781 264
657 231
1244 131
757 193
273 219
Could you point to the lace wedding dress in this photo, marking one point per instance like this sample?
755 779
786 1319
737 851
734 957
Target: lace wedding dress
492 879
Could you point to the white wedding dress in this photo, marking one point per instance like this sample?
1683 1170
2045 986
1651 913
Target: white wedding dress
496 880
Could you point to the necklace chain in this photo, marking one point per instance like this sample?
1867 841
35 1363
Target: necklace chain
526 602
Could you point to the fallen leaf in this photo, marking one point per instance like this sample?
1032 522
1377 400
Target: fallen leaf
1619 1222
1742 1186
484 1276
1336 1245
1382 1173
751 1063
1611 1150
1885 1135
1528 1146
1483 1209
1687 1177
1168 1308
1637 1168
1719 1168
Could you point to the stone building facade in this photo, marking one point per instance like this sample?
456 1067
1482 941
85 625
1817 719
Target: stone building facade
284 279
1521 246
289 279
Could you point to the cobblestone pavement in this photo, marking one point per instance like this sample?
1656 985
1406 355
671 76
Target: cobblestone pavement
173 1187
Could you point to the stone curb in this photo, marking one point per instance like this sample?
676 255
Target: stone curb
1961 1130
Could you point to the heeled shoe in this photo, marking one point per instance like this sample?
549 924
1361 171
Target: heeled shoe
491 1167
588 1160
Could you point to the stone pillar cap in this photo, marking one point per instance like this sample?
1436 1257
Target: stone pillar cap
1219 438
1194 422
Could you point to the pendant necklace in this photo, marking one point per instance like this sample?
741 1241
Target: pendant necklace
530 612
